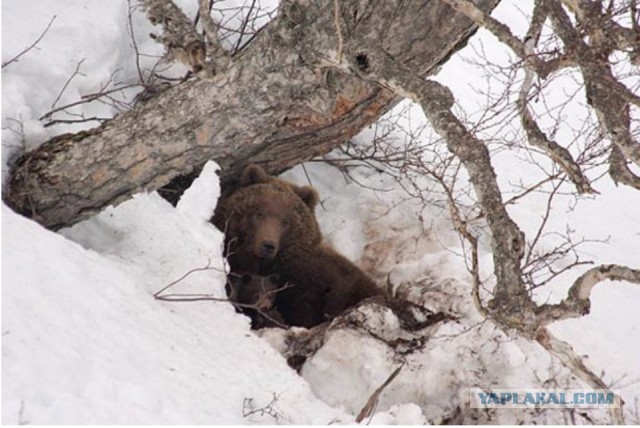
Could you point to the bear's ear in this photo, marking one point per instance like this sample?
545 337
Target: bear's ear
253 174
308 194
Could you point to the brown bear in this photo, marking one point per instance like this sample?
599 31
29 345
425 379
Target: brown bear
255 296
270 227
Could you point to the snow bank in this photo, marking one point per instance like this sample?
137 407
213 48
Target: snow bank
84 340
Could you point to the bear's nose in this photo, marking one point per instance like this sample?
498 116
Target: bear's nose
268 248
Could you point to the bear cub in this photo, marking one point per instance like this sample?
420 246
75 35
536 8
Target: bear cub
255 296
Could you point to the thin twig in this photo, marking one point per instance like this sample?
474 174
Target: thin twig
187 298
372 402
87 99
31 46
88 119
268 409
66 84
243 27
192 271
134 43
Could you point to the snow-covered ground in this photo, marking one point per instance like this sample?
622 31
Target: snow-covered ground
84 340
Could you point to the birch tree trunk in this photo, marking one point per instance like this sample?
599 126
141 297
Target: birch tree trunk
276 104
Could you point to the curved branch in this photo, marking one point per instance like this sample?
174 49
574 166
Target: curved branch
500 30
620 171
560 155
578 303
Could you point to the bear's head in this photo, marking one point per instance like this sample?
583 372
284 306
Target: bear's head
256 290
265 219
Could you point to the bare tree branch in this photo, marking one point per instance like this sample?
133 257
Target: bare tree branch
603 90
243 27
66 84
533 64
82 120
372 402
180 37
619 170
537 138
611 108
538 18
184 298
87 99
134 42
31 46
577 303
503 33
463 230
624 38
500 30
582 287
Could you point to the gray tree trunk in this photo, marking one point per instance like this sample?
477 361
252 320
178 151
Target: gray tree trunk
276 104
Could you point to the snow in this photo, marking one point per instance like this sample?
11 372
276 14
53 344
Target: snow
85 341
90 37
438 277
101 349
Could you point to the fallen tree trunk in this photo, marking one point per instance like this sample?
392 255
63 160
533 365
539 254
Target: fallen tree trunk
275 104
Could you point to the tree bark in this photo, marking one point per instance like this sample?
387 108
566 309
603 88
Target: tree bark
276 104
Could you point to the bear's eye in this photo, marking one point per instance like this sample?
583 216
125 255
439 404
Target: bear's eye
260 215
285 223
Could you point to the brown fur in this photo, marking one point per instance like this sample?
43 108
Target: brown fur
259 291
325 283
261 221
254 174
